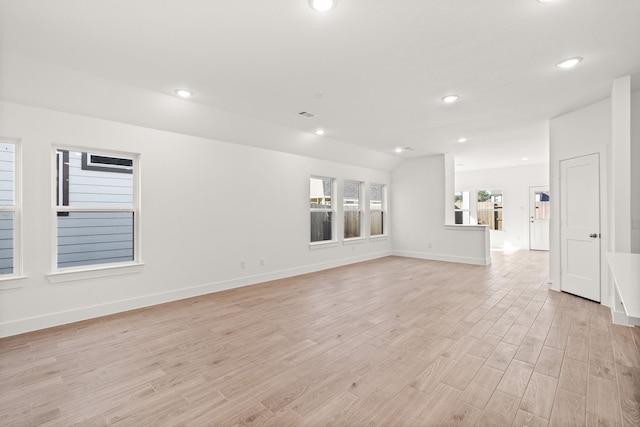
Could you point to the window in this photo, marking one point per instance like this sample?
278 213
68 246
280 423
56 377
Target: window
490 208
461 207
322 210
376 209
9 210
352 210
96 208
543 207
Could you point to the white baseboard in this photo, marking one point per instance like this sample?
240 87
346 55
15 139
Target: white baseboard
443 257
620 318
15 327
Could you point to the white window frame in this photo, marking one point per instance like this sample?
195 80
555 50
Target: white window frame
7 281
383 209
333 212
360 211
466 209
65 274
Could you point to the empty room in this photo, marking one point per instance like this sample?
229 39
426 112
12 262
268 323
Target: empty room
319 213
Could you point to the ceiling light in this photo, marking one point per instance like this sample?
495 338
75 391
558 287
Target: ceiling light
569 63
398 150
183 93
461 140
319 132
545 1
323 5
450 98
525 158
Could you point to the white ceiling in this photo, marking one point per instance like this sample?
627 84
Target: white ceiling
382 67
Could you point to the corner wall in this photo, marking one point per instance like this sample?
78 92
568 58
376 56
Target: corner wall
418 230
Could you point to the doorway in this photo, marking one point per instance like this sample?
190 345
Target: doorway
580 226
539 214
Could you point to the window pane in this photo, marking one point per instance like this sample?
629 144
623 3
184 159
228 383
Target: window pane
376 197
320 193
7 159
491 218
320 226
351 224
490 208
6 242
88 238
543 207
377 223
352 195
96 180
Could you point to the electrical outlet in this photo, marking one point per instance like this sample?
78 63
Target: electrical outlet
261 261
242 264
429 245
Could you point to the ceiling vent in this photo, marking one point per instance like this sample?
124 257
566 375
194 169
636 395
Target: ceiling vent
305 114
409 148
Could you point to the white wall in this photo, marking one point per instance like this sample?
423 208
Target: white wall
581 132
515 183
635 172
206 205
418 206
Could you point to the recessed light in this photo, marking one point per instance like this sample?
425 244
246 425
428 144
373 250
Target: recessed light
319 132
525 158
398 150
323 5
450 98
545 1
183 93
462 140
569 63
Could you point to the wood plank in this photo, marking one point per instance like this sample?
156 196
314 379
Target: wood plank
602 400
539 395
481 387
569 409
500 411
516 378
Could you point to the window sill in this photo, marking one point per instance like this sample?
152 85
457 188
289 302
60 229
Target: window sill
11 282
478 227
354 241
323 244
379 237
64 276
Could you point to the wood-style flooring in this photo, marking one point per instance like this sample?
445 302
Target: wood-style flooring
390 342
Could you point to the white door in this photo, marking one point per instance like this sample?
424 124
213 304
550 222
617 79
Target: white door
580 226
539 211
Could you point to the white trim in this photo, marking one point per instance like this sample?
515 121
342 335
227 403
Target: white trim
10 282
354 241
93 271
443 257
460 227
379 237
323 244
29 324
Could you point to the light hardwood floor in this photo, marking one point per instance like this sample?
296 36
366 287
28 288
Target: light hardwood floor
388 342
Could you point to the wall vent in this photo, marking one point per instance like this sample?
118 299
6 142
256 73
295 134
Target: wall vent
305 114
